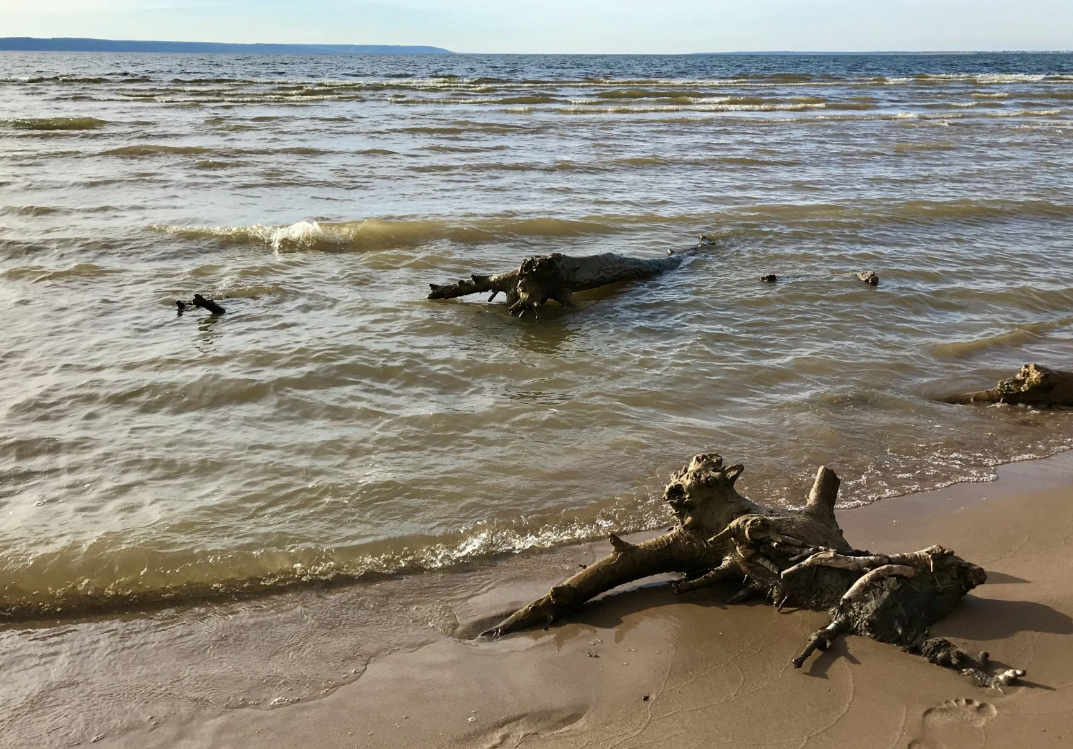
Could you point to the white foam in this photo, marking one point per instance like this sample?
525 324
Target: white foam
303 234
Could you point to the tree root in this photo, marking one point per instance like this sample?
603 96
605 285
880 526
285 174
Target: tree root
1033 385
720 536
942 652
831 558
821 639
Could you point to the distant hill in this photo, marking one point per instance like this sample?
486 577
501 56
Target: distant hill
31 44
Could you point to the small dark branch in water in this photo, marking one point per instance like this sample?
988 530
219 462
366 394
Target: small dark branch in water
202 302
209 304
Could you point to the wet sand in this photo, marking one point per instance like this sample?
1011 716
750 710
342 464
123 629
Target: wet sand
639 668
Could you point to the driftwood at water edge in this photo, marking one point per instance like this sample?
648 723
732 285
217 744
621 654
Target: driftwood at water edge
793 558
556 277
1033 385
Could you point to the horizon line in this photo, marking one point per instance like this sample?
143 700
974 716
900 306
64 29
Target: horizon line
343 46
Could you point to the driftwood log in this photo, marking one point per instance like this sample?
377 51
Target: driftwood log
556 277
1033 385
794 558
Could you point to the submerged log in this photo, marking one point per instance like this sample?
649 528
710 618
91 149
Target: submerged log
544 278
795 558
1033 385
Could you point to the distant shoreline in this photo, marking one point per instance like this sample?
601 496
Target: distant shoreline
32 44
894 53
77 44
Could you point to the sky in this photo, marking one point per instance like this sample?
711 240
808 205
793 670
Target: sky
566 26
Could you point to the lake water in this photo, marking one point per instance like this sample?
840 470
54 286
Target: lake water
334 423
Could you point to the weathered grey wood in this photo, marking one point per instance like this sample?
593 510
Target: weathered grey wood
795 558
1033 385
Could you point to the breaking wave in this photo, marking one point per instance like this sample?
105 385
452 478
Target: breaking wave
138 577
57 123
381 234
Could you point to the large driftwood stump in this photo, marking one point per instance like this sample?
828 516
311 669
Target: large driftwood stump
543 278
793 558
1033 385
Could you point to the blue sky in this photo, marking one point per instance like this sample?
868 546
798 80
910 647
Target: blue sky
568 26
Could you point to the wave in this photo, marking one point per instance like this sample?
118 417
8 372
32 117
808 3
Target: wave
1024 113
29 210
152 149
474 100
862 106
155 150
645 93
940 145
464 127
983 78
513 166
656 160
91 580
80 80
38 274
1009 339
906 212
381 234
50 210
580 108
440 148
57 123
216 165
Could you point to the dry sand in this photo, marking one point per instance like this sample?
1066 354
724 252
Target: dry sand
647 668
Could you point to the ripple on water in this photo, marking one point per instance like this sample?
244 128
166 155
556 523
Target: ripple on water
335 425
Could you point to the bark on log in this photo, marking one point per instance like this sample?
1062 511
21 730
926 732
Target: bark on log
796 558
543 278
1033 385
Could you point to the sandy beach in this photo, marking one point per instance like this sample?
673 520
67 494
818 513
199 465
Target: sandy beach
639 668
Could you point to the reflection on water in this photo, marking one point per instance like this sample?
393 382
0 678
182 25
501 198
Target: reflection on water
550 333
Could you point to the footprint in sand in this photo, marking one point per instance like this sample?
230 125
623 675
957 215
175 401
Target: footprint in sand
944 726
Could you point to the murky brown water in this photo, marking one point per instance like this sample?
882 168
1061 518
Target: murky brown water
334 423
